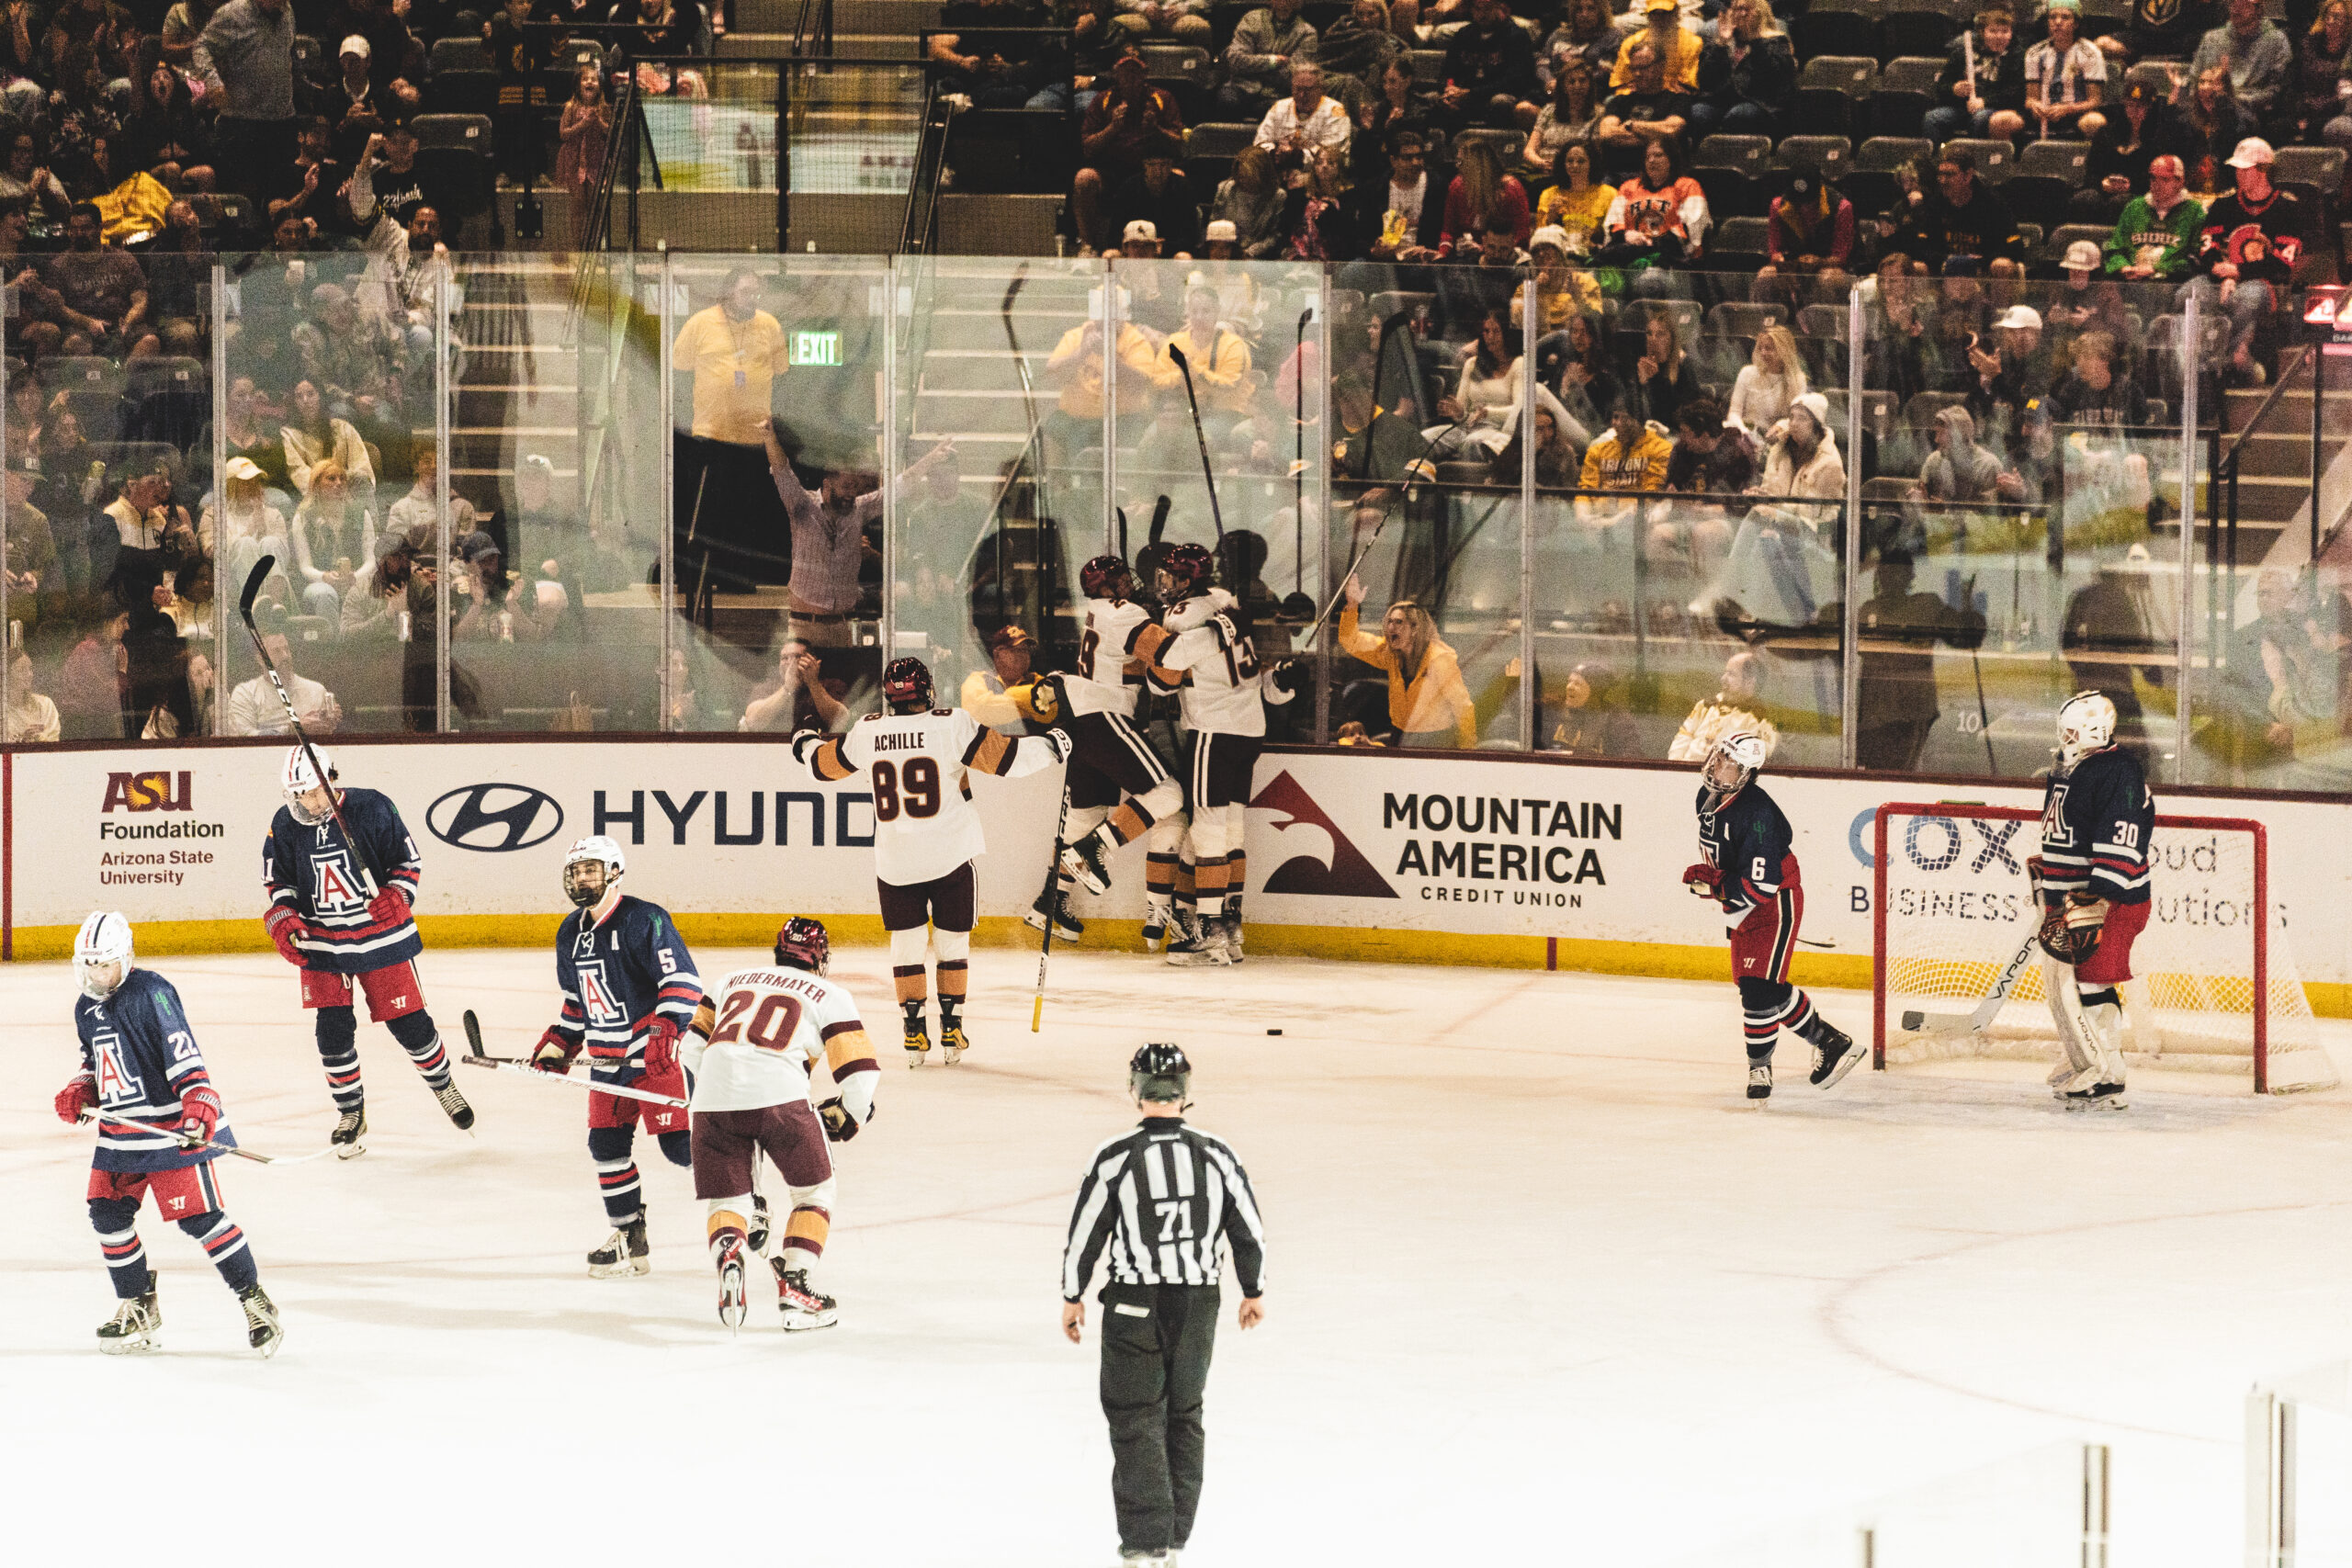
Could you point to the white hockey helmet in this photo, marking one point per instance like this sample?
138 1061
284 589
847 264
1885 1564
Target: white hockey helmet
2084 724
298 778
594 850
102 955
1730 763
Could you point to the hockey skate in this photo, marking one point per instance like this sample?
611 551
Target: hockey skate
460 1114
952 1042
263 1331
1759 1081
134 1323
1066 926
1155 931
731 1297
2099 1097
1085 862
918 1040
349 1128
1205 950
758 1239
1835 1060
623 1254
802 1307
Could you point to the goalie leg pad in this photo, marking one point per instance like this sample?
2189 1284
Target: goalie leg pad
2079 1066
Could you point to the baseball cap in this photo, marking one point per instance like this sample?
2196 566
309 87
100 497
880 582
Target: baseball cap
1011 636
2021 316
2075 6
1550 234
535 460
242 468
1222 229
2081 256
1141 228
1662 5
2254 152
2139 92
355 44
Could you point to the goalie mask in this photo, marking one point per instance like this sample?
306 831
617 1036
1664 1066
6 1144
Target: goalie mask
1159 1072
906 686
584 887
803 944
1106 577
102 955
1730 763
2084 724
298 778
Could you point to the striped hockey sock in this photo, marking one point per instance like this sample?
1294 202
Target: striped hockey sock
423 1042
338 1037
225 1244
624 1193
126 1263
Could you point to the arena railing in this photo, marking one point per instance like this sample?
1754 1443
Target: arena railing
647 584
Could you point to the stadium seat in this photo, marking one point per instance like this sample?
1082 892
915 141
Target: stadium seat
1219 139
463 92
2048 174
1735 318
1823 320
1921 412
1919 28
83 373
1738 244
2157 73
1183 72
1834 28
2314 175
459 54
1831 91
1995 160
1907 91
1429 66
2066 234
1831 155
1869 182
1735 172
453 154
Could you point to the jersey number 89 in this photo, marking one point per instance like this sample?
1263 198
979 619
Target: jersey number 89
770 1028
916 785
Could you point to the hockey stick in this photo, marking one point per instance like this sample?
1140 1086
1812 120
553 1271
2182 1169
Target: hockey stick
1404 490
188 1143
1217 513
1298 468
1920 1023
475 1057
334 807
1053 902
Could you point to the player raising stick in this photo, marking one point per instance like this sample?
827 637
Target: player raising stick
749 1050
1110 758
629 989
144 1079
327 924
926 833
1751 870
2096 820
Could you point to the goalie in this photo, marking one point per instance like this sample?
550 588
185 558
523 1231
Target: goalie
2098 819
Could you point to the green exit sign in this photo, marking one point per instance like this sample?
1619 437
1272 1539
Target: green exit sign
816 348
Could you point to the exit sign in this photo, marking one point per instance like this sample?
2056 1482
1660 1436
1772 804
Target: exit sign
816 348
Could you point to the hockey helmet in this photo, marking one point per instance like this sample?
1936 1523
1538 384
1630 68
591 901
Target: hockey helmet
802 943
299 776
1106 577
1730 763
1159 1072
2084 724
1185 570
594 850
906 686
102 955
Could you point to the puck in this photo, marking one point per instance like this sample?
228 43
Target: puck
1274 1031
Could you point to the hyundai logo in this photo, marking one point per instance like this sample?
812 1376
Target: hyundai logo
495 817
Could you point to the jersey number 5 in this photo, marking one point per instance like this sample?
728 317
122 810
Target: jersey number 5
770 1027
915 787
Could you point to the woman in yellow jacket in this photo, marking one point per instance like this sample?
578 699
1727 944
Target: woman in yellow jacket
1428 704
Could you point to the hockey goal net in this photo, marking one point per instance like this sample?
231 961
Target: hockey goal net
2215 983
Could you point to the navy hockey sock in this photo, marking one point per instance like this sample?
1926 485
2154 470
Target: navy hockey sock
1807 1024
115 1219
338 1032
616 1172
417 1036
225 1244
678 1148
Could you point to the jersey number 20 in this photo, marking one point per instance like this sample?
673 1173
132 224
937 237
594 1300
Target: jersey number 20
915 786
770 1028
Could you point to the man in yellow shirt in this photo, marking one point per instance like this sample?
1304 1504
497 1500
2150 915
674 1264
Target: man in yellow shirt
735 351
1077 364
1220 360
1678 50
1630 458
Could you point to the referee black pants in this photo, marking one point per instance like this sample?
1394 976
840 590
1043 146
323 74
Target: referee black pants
1157 1340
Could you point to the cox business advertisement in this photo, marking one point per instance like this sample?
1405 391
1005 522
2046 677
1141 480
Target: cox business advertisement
1491 860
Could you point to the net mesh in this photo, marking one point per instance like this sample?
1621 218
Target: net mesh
1958 904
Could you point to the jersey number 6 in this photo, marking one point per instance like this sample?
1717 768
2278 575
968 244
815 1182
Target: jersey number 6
771 1028
916 786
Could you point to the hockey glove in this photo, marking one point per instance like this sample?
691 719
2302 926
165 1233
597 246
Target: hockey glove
1057 741
1706 881
79 1095
805 743
1291 675
286 929
199 1113
662 1046
2086 922
553 1054
839 1125
389 908
2062 941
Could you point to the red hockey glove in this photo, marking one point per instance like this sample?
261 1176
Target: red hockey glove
79 1095
199 1113
1704 880
286 928
661 1045
389 908
553 1054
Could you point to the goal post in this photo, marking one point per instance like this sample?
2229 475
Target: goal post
1954 973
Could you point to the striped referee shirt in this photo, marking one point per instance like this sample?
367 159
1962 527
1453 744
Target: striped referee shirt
1161 1197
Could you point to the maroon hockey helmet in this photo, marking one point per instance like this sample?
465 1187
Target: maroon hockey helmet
906 686
1106 577
1188 569
802 943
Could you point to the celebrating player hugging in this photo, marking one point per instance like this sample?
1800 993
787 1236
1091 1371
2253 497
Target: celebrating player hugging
342 875
159 1128
749 1052
629 989
926 833
2092 874
1751 870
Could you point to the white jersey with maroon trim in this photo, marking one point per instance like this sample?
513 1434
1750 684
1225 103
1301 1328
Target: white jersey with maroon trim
1213 668
1117 638
924 824
759 1031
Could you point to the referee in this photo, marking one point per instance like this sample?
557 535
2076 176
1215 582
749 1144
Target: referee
1161 1196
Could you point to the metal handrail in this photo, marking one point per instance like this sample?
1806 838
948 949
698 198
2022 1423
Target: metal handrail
2310 355
812 30
922 221
627 124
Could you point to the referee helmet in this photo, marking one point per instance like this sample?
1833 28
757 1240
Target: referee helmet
1159 1072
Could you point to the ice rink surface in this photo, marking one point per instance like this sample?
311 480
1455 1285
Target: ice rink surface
1542 1288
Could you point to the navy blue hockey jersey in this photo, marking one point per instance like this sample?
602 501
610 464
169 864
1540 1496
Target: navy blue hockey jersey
137 1043
2098 824
1748 841
313 871
616 975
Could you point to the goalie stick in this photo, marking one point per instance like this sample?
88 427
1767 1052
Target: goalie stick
1918 1022
187 1143
476 1057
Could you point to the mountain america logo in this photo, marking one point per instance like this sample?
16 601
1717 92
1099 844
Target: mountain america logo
1321 861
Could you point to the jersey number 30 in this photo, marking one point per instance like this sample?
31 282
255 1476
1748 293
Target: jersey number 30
770 1027
915 787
